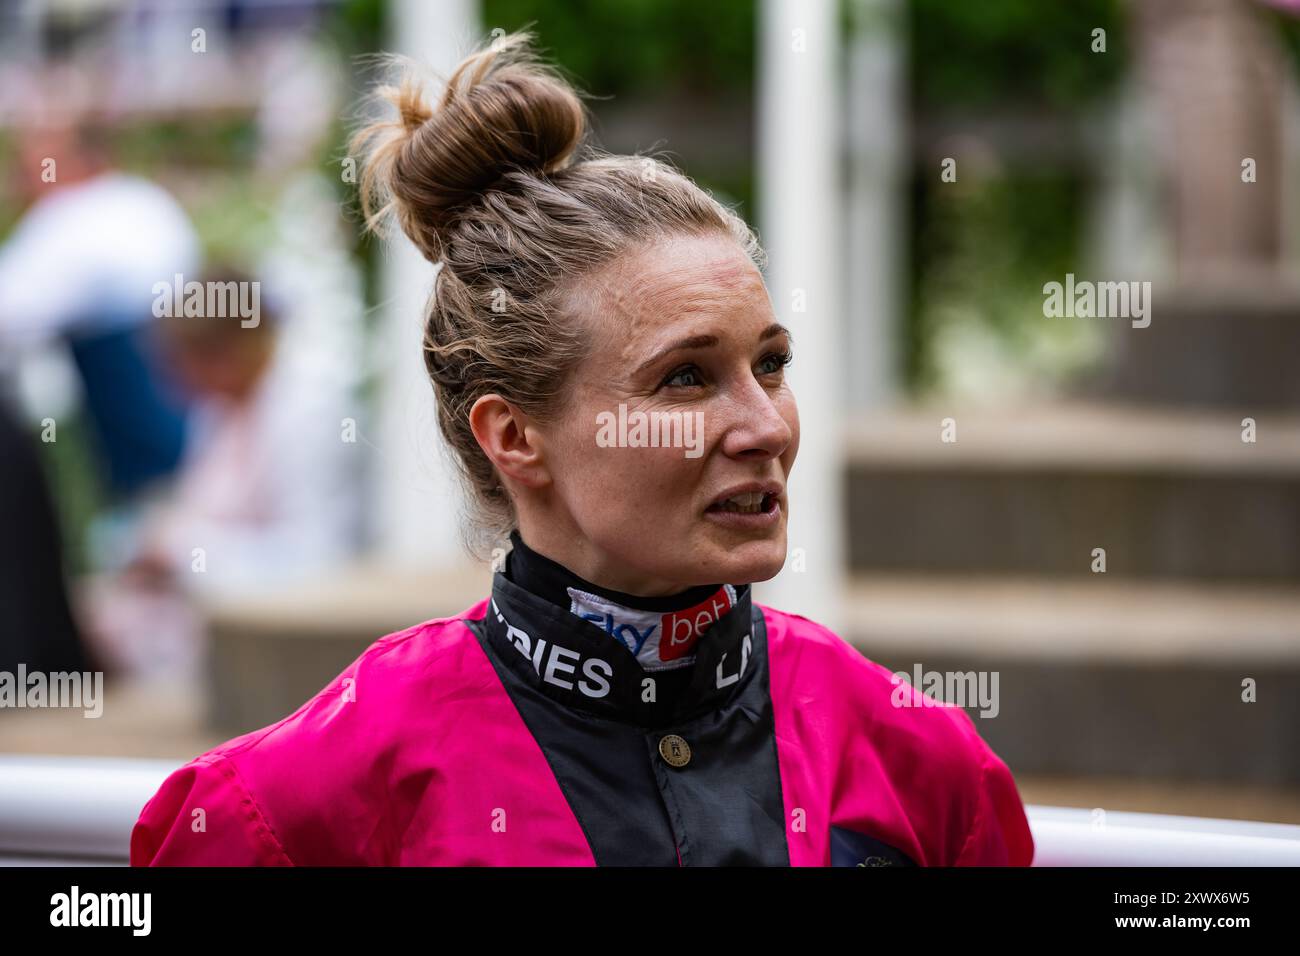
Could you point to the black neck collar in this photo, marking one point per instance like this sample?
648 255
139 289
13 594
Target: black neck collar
551 580
573 661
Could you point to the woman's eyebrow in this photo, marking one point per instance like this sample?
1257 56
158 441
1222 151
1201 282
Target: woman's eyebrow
690 342
773 330
705 342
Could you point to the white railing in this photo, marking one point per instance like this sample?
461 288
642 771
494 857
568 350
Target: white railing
80 810
73 809
1064 836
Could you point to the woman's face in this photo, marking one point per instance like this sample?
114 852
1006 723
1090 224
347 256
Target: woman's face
669 460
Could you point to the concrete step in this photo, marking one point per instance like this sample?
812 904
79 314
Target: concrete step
1100 677
1167 494
1218 340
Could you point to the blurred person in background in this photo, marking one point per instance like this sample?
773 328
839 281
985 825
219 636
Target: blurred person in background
77 275
266 492
78 270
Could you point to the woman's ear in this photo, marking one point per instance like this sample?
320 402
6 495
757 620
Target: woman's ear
510 440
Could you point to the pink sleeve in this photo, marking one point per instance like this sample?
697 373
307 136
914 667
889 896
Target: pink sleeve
999 834
203 815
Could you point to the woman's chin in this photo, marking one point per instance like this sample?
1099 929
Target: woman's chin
750 563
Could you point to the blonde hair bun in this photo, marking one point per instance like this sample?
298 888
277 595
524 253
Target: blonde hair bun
502 111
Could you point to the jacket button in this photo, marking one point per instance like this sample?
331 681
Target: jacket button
675 751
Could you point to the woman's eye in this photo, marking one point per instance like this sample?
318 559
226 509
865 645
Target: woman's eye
774 362
684 377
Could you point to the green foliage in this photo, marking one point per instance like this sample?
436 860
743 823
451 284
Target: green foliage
640 47
197 145
1008 53
981 253
357 26
644 50
982 249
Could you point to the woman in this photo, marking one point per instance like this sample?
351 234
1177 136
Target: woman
610 702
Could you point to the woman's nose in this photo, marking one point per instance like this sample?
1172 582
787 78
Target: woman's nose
755 427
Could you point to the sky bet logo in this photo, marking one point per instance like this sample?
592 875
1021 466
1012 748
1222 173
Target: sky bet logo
658 640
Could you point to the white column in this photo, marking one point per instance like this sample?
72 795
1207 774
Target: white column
418 501
799 175
876 227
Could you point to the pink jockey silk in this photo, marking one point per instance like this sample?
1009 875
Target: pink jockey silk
417 755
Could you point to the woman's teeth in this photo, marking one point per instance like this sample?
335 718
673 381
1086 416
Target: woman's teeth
749 503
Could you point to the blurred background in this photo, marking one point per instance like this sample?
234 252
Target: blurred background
220 520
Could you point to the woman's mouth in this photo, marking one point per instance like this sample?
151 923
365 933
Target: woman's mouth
746 509
746 503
